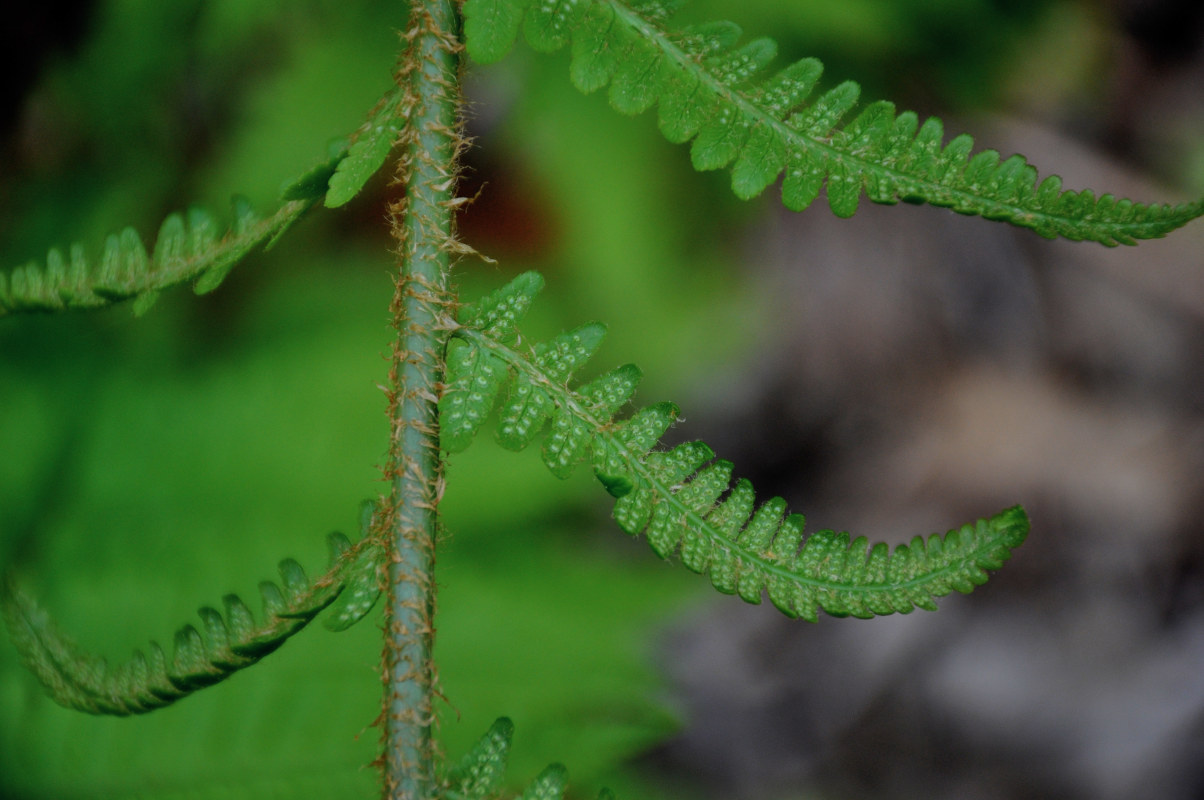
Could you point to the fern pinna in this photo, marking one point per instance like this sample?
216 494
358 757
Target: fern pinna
189 247
230 643
703 85
674 496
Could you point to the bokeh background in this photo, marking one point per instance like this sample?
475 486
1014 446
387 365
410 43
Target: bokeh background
895 374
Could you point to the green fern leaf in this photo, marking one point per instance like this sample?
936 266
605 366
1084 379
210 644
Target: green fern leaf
230 642
184 251
481 772
190 247
490 27
548 785
314 183
708 90
368 151
364 573
683 500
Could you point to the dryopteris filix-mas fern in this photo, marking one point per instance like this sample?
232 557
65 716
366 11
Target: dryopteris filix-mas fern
449 374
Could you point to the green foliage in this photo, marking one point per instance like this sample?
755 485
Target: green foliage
708 91
363 577
479 774
85 682
673 496
187 248
369 150
702 81
283 452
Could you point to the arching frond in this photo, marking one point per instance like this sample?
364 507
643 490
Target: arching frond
682 499
190 247
708 88
231 641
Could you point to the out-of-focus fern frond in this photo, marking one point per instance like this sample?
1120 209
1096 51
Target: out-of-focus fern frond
230 642
190 247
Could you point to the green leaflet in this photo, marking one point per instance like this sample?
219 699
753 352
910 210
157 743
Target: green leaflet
481 772
703 86
548 785
230 642
683 500
191 246
369 150
363 573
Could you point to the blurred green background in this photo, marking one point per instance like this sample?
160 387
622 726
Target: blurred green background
149 466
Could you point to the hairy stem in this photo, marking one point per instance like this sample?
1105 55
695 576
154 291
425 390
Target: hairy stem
422 224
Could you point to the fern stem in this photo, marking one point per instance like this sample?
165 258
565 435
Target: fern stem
422 224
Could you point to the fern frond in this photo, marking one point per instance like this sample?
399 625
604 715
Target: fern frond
230 642
189 247
707 89
683 500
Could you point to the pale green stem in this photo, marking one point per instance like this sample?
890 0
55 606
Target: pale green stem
422 224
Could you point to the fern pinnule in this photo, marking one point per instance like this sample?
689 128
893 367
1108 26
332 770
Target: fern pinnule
369 149
705 88
231 641
482 770
550 784
682 499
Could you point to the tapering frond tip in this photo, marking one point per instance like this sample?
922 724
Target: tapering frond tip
682 503
838 577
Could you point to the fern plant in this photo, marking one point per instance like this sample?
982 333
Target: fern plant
458 365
